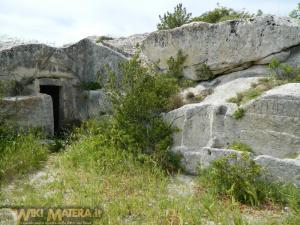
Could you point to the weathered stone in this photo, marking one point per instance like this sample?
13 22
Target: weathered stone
224 47
282 170
271 124
65 68
29 111
195 159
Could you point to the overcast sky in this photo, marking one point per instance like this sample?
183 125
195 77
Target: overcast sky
64 21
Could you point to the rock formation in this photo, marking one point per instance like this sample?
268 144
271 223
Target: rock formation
35 65
225 47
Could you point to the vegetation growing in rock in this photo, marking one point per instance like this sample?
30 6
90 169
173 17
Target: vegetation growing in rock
204 72
175 19
220 14
295 13
175 66
138 100
90 85
280 74
240 178
239 113
239 146
282 71
103 38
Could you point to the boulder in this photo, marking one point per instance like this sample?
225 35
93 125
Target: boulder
271 124
29 111
274 169
225 47
282 170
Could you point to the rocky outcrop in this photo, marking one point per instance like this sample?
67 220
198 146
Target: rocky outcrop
274 169
30 66
225 47
271 124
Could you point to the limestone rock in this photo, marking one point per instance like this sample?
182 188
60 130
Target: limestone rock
65 68
29 111
226 46
282 170
271 124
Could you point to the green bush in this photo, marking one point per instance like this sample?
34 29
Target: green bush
175 66
90 85
176 19
139 97
239 113
103 38
295 13
283 71
203 72
241 179
220 14
239 146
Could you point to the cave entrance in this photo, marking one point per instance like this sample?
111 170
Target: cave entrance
54 92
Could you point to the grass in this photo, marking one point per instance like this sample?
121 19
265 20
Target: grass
256 90
239 146
131 190
19 153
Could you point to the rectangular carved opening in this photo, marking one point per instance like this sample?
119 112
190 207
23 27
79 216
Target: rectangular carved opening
54 92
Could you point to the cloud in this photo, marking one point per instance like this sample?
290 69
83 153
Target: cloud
63 21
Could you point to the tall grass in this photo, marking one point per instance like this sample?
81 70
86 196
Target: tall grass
19 152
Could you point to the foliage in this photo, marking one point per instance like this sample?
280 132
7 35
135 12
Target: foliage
103 38
90 85
19 152
256 90
220 14
240 178
175 66
204 72
175 102
139 98
295 13
176 19
283 71
239 146
239 113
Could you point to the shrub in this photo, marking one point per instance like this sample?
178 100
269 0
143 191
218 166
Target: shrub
175 66
241 179
190 95
239 113
239 146
139 97
203 72
175 102
283 71
176 19
103 38
220 14
90 85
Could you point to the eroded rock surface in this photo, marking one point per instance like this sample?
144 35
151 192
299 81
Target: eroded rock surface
225 47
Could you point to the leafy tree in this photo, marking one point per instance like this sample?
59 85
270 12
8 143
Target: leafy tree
175 19
220 14
295 13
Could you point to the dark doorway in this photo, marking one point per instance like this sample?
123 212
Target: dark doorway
53 91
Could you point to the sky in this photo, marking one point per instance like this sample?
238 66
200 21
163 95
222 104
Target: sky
64 21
